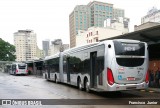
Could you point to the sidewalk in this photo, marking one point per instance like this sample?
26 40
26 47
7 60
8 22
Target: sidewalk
153 89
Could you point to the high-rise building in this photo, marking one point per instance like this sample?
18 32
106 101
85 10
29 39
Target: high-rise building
57 46
99 12
118 12
78 20
93 14
45 46
124 22
153 15
40 53
25 42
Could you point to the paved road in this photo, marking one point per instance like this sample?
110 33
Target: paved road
31 87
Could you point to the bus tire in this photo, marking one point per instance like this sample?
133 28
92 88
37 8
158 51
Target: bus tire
56 80
15 73
87 87
45 76
80 84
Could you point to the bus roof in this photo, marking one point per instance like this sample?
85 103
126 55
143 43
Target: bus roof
88 46
18 63
99 43
82 46
52 56
126 40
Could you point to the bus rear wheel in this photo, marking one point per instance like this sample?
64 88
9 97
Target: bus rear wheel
15 73
45 76
56 80
80 85
87 87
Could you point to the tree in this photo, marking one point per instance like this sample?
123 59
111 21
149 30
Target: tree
7 51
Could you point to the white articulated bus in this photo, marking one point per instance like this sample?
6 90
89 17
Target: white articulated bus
111 65
18 68
52 67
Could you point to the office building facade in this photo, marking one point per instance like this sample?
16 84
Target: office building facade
118 13
95 34
25 42
57 46
92 14
45 47
78 20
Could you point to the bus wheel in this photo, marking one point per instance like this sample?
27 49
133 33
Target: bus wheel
87 88
79 85
56 80
45 76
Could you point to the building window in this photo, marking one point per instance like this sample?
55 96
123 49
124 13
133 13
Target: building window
87 36
91 40
99 7
91 33
110 9
97 32
106 8
96 39
96 6
103 7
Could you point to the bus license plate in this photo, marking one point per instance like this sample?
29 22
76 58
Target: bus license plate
130 78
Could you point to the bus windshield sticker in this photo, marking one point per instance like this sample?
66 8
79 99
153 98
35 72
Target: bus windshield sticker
121 72
140 68
121 69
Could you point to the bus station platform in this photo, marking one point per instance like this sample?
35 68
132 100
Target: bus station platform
151 90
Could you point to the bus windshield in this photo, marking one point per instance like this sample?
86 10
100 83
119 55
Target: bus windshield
21 66
126 50
131 49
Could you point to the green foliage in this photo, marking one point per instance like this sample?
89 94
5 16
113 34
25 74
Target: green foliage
7 51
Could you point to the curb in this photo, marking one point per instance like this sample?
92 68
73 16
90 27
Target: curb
153 89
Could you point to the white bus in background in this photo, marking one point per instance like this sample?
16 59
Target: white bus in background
111 65
18 68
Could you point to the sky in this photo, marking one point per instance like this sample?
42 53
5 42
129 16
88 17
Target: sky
50 18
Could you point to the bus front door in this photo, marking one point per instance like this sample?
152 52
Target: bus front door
93 77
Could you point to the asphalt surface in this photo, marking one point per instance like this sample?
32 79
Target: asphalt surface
31 87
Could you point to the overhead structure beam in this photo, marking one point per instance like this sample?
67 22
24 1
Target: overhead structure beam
148 38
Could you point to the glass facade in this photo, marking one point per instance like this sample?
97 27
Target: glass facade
93 14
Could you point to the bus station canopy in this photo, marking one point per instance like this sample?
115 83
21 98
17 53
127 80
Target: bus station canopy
150 35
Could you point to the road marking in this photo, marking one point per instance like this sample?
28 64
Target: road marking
142 90
151 91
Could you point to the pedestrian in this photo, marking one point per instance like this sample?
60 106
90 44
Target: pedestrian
157 78
151 78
